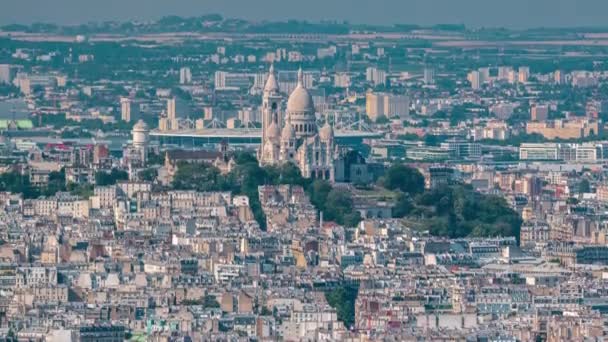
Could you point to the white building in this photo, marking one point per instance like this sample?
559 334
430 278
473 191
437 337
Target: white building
185 76
6 75
429 76
375 76
296 138
341 80
125 109
523 74
475 79
388 105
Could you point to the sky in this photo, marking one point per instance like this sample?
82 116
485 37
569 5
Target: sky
473 13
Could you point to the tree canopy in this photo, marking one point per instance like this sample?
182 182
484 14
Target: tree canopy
404 178
343 299
103 178
458 211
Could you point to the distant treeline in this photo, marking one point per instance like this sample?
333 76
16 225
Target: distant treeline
216 23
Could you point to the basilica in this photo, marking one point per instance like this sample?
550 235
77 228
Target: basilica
295 136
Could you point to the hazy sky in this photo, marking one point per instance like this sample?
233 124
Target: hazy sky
475 13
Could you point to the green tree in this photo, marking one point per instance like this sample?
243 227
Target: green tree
404 178
339 208
210 302
403 206
458 211
584 186
56 183
382 120
15 182
343 299
148 175
289 173
103 178
82 190
318 192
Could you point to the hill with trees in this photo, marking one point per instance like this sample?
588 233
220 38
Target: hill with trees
248 175
454 210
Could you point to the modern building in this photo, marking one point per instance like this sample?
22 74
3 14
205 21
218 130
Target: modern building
462 149
387 105
185 76
428 153
545 151
375 76
374 106
539 112
177 110
6 75
523 74
429 76
125 109
232 81
475 79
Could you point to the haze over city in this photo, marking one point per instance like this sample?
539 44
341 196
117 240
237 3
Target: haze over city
474 13
338 170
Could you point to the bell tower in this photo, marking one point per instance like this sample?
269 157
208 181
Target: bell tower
272 120
271 103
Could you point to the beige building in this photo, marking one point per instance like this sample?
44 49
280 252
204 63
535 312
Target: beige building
388 105
374 106
564 129
539 112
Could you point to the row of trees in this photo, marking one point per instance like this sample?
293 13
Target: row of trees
18 183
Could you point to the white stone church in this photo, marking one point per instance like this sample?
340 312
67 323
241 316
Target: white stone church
295 137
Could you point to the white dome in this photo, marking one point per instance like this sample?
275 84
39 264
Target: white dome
140 126
300 100
288 132
273 131
327 132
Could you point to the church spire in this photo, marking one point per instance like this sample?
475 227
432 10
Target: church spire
271 83
300 77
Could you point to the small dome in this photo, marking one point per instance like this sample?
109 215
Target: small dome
327 132
288 132
140 126
273 131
